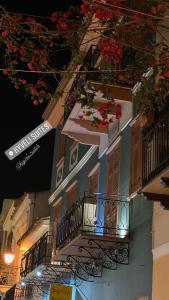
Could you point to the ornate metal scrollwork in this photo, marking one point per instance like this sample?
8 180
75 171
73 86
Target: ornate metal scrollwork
106 257
101 260
123 255
84 270
118 254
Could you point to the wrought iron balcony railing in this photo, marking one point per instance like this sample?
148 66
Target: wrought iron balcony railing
39 253
16 292
155 143
105 71
96 215
10 294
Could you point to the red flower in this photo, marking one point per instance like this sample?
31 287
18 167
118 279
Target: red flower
9 44
118 111
103 14
36 102
84 9
61 26
153 10
111 49
66 14
32 91
54 17
165 73
23 81
5 71
4 34
103 124
42 93
15 49
164 60
22 53
31 66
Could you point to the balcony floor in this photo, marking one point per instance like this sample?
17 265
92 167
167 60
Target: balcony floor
155 186
87 245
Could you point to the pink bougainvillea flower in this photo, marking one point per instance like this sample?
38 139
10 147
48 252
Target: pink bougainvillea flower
35 102
54 17
153 10
165 73
15 49
5 71
4 34
103 14
9 44
84 9
118 111
103 124
23 81
111 50
61 26
42 93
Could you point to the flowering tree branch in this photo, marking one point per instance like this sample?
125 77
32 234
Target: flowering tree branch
30 44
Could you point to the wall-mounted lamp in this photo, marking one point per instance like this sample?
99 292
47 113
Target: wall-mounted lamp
9 258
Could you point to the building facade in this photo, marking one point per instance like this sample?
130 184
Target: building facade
102 229
23 221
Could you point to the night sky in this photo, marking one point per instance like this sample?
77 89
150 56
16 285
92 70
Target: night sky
18 117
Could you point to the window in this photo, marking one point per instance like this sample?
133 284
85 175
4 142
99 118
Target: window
71 194
113 170
93 178
90 211
73 155
59 171
112 188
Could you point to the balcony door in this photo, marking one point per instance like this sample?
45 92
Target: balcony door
91 201
112 189
71 195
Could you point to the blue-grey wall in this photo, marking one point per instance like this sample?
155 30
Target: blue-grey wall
132 281
128 282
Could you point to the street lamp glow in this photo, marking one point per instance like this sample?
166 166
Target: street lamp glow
39 273
9 257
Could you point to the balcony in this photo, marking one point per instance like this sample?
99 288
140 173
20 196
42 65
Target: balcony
95 231
16 292
105 84
8 276
155 160
10 294
108 80
38 254
37 267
